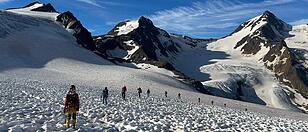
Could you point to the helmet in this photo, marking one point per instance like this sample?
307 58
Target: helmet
73 88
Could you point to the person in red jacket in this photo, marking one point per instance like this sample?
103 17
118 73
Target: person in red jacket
71 106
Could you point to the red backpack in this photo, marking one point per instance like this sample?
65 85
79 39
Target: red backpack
72 100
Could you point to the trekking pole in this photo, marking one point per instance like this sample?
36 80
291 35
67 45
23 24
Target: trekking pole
64 116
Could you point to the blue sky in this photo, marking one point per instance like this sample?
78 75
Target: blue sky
196 18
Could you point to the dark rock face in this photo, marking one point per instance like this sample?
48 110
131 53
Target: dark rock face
285 68
31 4
45 8
71 23
279 58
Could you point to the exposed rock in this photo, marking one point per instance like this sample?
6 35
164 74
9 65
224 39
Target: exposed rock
31 4
73 25
45 8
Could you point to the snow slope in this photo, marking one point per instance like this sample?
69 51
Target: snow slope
300 37
27 11
30 105
299 44
224 69
40 59
258 84
127 27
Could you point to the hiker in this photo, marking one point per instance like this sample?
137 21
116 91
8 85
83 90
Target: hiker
105 95
166 94
123 92
139 92
71 106
199 100
148 92
212 102
179 95
225 105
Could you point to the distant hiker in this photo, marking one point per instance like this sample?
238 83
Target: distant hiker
148 92
166 94
123 92
71 106
245 109
139 92
225 105
179 95
105 95
212 102
199 100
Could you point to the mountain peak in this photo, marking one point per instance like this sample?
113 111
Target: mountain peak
45 8
269 17
145 21
31 4
267 13
269 29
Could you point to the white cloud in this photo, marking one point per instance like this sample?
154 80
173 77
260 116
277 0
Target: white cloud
3 1
102 4
91 2
299 22
204 16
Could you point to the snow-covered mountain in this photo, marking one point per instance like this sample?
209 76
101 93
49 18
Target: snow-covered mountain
67 19
140 42
258 43
37 6
260 40
73 25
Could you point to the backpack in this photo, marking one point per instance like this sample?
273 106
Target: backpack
139 90
105 92
71 99
124 89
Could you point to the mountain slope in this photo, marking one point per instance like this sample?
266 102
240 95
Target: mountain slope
40 107
140 42
73 25
67 19
259 43
252 64
31 42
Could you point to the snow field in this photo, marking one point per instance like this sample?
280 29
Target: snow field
30 105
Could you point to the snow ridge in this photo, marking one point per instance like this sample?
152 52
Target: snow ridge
127 27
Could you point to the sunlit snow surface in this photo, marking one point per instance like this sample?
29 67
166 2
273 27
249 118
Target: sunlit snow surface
31 105
127 27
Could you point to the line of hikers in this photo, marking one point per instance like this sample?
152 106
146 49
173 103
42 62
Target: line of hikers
105 93
71 103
